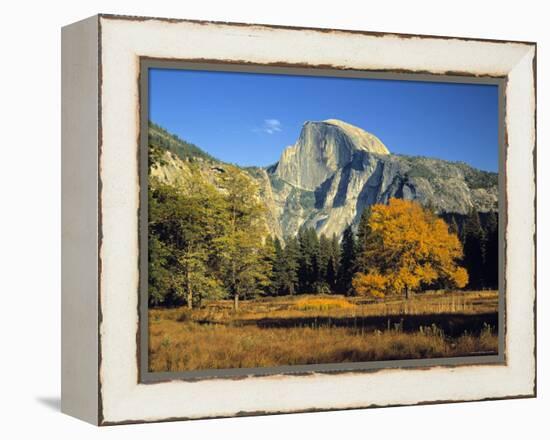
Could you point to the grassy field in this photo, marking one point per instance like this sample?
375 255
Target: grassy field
322 329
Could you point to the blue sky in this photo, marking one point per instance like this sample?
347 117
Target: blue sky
249 118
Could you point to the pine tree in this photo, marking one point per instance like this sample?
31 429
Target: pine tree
279 269
363 233
268 255
309 260
453 225
335 245
347 261
474 249
491 251
325 257
330 276
291 256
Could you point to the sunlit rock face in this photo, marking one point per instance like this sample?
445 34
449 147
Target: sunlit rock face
322 149
335 170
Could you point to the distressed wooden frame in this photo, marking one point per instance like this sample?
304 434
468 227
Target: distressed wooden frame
100 208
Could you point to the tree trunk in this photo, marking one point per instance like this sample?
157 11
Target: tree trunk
189 292
236 302
189 299
406 293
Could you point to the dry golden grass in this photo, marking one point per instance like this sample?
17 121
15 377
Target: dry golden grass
323 303
318 329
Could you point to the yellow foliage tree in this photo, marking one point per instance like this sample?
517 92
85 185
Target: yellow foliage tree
407 247
372 284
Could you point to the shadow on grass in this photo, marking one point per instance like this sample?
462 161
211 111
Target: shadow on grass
452 324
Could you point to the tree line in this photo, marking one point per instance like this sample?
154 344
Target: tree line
478 233
207 243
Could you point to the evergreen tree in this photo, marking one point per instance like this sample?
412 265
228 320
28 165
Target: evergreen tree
159 271
325 257
363 233
330 276
279 269
335 245
268 255
347 261
291 256
491 251
309 260
453 226
474 250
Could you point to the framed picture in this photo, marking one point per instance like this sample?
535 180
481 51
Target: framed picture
262 219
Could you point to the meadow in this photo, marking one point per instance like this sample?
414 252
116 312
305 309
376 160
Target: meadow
317 329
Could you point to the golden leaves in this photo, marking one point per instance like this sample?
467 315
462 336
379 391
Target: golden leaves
408 247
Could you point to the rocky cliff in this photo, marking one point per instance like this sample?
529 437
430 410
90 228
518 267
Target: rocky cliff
335 170
322 149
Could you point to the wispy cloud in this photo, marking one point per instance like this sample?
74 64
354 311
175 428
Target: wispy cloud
269 126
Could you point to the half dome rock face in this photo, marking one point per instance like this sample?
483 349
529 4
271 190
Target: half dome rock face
362 139
322 149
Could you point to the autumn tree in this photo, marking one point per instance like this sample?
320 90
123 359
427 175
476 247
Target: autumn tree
408 248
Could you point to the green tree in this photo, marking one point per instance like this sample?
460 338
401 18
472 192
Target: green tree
474 249
159 271
290 282
183 227
278 269
244 270
335 245
346 269
309 260
453 225
269 255
491 251
363 237
325 260
331 274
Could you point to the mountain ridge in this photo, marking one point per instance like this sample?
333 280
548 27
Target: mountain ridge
334 171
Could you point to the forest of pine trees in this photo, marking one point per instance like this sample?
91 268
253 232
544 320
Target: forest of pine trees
478 233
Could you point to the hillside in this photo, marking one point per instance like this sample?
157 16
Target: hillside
332 172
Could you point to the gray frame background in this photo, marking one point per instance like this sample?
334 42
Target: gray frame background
145 376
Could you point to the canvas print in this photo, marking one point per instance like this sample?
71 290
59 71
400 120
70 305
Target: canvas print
307 220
